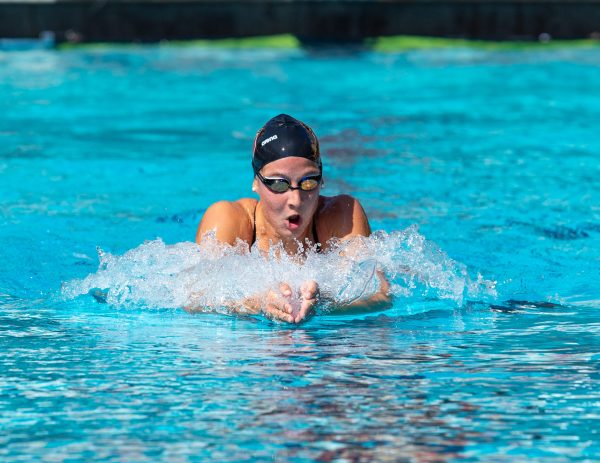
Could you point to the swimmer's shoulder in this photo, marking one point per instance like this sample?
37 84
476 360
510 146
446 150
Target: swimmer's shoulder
341 217
230 220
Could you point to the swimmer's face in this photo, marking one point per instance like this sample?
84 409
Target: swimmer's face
290 212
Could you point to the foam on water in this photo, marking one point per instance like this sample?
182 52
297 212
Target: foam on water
214 276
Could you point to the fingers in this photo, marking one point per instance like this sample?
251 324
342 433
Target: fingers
277 308
280 313
306 309
285 312
310 289
285 289
310 295
280 307
274 298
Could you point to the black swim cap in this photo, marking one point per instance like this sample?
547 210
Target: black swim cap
281 137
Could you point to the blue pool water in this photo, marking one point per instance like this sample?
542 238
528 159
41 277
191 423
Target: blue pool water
479 170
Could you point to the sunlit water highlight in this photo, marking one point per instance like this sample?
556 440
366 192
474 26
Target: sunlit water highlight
467 162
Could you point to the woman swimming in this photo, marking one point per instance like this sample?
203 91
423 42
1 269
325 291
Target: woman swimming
288 177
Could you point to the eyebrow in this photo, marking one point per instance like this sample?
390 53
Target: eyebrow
278 174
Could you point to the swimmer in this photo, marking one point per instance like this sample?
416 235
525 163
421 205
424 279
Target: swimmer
288 177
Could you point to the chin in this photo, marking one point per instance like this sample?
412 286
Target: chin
287 233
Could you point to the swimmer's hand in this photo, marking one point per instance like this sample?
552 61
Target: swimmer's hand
283 305
289 307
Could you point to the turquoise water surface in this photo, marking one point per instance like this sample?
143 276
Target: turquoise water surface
479 170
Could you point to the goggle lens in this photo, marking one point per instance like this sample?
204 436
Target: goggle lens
309 183
281 185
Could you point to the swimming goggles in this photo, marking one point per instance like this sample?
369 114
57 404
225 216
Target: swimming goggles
281 185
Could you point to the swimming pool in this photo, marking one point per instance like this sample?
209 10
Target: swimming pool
493 155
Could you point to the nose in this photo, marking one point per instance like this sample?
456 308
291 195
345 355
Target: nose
294 198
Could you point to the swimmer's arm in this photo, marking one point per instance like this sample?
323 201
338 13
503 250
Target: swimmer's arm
249 305
272 305
352 221
228 220
381 300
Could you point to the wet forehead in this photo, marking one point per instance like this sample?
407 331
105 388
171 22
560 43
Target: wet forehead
290 167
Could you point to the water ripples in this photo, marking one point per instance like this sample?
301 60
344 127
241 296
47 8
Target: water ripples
441 385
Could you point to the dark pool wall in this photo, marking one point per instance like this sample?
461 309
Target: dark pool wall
310 20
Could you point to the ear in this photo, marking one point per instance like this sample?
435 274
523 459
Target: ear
255 185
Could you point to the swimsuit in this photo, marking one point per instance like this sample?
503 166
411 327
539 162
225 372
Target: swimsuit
314 229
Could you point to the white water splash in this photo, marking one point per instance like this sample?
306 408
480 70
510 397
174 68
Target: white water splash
215 275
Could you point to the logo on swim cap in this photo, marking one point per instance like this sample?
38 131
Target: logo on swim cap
284 136
264 142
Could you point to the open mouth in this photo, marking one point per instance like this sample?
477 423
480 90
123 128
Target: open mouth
294 221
